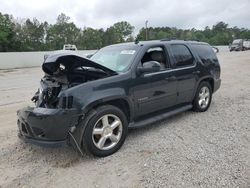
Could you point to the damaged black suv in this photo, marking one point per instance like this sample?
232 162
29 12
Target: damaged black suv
91 103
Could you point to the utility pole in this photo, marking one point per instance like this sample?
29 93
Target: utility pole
146 24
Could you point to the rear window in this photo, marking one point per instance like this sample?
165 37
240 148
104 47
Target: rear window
182 55
205 53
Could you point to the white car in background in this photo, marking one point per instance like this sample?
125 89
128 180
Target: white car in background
246 44
240 45
69 47
66 47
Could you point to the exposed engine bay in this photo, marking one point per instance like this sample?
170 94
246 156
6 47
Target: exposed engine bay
64 71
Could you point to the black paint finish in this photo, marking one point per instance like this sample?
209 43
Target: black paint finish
139 95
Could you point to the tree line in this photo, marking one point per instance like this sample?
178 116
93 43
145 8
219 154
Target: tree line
33 35
218 34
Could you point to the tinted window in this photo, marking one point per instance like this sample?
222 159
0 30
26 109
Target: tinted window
205 53
157 54
182 55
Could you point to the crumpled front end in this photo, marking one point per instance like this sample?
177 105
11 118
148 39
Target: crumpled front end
48 127
56 111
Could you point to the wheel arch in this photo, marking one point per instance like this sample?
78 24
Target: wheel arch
120 103
89 111
208 79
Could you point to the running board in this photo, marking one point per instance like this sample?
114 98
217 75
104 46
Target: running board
159 117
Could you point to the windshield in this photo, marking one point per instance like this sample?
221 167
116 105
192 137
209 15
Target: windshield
116 58
236 41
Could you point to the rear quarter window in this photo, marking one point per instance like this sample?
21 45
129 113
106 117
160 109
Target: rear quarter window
182 55
205 53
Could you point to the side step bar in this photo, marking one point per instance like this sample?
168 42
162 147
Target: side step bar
159 117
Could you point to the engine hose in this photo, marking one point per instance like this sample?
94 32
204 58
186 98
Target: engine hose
77 145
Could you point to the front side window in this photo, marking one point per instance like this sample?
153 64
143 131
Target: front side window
116 58
156 54
182 55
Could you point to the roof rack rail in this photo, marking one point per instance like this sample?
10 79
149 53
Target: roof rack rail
169 39
192 40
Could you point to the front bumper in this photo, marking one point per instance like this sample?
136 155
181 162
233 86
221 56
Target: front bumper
46 127
43 143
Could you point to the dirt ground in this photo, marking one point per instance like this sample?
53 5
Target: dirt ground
210 149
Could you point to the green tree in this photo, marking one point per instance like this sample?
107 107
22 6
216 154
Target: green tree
33 35
220 26
141 36
119 32
91 39
7 34
123 30
63 32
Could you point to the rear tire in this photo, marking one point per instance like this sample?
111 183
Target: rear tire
203 97
105 132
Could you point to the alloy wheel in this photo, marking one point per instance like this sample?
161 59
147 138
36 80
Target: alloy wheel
204 97
107 132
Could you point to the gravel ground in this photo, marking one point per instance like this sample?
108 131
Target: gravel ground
210 149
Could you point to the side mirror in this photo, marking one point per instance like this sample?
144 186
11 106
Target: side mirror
149 67
215 49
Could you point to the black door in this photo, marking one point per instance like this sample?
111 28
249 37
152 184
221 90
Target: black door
185 72
155 91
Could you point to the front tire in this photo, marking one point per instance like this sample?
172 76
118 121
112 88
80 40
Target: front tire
203 97
106 131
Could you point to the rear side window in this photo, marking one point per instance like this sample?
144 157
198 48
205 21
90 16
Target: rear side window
205 53
182 55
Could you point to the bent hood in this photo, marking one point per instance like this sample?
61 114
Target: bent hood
70 61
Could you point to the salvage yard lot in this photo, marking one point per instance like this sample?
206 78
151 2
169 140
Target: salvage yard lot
210 149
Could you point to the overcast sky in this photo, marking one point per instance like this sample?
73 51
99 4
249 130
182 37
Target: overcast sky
103 13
